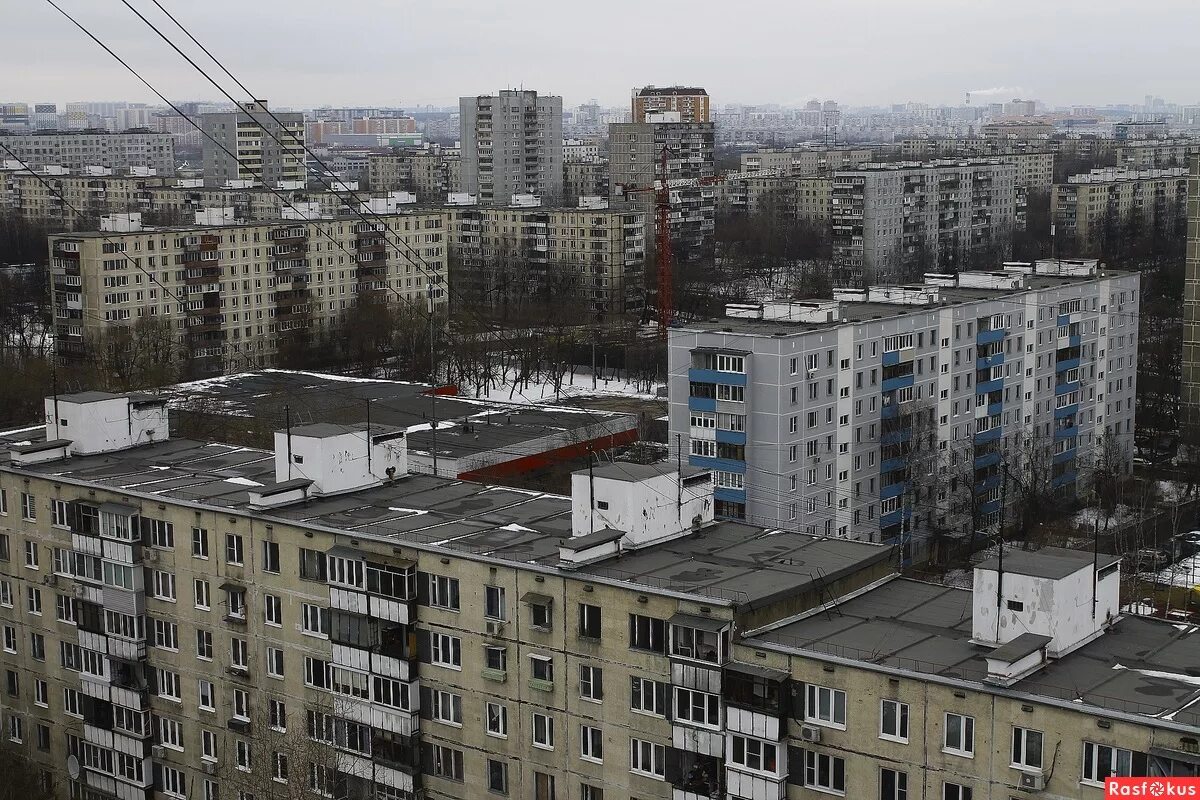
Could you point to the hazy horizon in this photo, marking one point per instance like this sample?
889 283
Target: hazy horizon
860 52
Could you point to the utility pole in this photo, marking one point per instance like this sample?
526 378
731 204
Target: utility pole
679 475
591 492
287 417
593 359
1096 563
1000 541
433 381
368 402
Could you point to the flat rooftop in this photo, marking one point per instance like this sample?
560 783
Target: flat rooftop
267 398
1139 666
1049 562
852 312
727 561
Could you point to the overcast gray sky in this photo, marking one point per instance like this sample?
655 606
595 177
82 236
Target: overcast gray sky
376 52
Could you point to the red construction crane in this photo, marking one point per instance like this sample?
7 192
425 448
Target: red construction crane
664 254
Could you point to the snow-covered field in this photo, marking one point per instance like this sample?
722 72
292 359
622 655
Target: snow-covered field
580 385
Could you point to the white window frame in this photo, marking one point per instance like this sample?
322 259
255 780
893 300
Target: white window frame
965 746
900 720
813 697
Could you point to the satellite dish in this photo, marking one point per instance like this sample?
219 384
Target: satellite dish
73 767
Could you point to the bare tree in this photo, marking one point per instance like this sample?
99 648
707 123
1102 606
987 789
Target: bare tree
23 779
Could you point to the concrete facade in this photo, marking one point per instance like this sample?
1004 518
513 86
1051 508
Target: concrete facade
691 103
76 151
511 145
1102 203
263 150
808 411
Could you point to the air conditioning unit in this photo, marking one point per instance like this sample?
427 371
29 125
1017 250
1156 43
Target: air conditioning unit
150 555
158 751
1033 781
80 591
495 628
50 580
810 733
209 767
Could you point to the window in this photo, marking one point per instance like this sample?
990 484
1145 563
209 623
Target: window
390 692
170 733
754 754
10 639
824 772
443 592
207 695
212 790
316 672
71 704
445 650
43 739
31 554
28 507
825 706
272 610
496 718
271 557
960 735
33 600
706 448
239 653
58 513
200 594
168 685
893 720
164 585
41 692
277 715
241 704
731 393
542 668
1026 748
893 784
314 619
698 708
12 683
172 782
543 731
199 543
166 634
543 786
242 755
447 763
495 658
647 696
540 615
591 683
4 502
275 662
497 772
647 758
208 746
446 707
162 534
589 621
322 780
955 791
696 643
6 599
493 602
312 565
234 549
647 633
1101 761
591 744
204 644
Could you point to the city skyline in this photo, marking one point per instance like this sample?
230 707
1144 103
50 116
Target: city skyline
1025 43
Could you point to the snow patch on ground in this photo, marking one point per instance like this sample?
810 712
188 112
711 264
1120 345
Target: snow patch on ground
15 431
580 385
1093 516
335 378
243 481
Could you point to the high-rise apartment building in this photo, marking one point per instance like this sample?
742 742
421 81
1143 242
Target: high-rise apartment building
804 161
250 145
234 294
512 145
585 179
532 259
893 222
885 414
1190 408
76 151
45 117
635 152
690 102
1097 208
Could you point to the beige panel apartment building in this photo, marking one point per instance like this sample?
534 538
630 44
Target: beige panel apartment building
691 103
233 293
803 161
506 255
797 199
1097 204
1191 315
194 620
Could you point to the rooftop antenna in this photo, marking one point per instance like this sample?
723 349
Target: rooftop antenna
433 380
592 491
679 476
287 416
1000 540
54 392
368 402
1096 561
